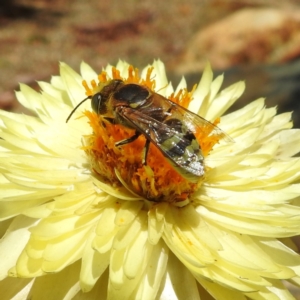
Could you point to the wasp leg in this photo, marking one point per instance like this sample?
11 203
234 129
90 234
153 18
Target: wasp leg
110 120
133 138
129 140
145 152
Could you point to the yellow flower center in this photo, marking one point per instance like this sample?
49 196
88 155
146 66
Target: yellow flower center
157 180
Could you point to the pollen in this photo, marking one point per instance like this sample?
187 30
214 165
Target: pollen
155 179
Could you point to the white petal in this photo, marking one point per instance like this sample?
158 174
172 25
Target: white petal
73 84
127 234
221 293
134 256
199 104
33 100
244 226
180 283
181 85
155 227
289 143
127 212
13 243
122 66
152 278
93 265
237 120
51 90
159 73
87 72
63 285
224 100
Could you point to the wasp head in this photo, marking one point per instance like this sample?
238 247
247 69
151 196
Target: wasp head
103 93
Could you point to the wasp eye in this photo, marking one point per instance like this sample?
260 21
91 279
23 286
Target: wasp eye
96 102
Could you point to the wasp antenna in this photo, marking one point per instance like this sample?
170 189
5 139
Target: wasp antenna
75 108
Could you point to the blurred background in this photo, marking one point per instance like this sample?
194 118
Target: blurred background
253 40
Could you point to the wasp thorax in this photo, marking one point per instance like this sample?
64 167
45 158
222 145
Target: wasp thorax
133 95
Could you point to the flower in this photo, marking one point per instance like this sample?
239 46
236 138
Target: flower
74 223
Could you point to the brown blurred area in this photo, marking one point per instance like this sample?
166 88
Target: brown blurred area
253 40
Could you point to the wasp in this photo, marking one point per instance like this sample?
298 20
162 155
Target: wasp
167 125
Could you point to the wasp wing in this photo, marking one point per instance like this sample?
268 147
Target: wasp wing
172 129
195 122
172 137
162 109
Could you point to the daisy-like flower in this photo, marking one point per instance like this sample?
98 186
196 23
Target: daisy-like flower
84 218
